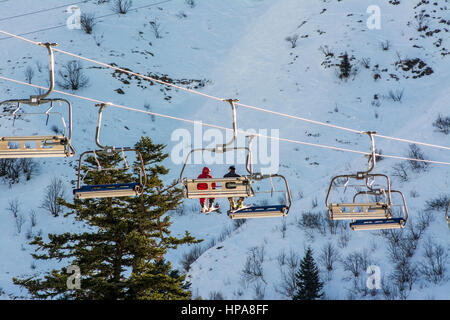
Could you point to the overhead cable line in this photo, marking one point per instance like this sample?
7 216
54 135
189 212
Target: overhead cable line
220 99
221 127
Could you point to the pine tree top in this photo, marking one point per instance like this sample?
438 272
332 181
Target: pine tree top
308 281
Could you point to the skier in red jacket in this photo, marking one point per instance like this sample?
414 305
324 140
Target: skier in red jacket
203 186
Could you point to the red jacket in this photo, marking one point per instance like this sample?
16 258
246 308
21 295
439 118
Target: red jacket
205 175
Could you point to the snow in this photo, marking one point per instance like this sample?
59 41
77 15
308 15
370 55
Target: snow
240 48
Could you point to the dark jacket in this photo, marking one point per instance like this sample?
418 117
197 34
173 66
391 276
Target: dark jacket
231 175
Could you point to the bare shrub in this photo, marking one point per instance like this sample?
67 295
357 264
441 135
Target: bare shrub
33 218
260 290
212 243
13 207
329 255
414 194
434 265
389 290
216 295
72 76
191 256
181 209
359 289
9 170
314 203
29 74
396 95
312 221
98 39
292 40
421 21
237 223
225 233
156 28
28 167
253 268
385 45
38 66
379 155
356 263
439 204
442 124
400 170
402 245
288 283
365 62
29 233
281 258
416 230
122 6
404 276
87 21
416 153
283 228
190 3
54 191
20 220
326 51
393 236
181 15
404 249
344 238
333 225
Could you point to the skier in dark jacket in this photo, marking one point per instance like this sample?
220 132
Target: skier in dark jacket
232 174
203 186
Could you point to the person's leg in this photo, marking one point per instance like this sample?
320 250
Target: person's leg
232 204
240 202
211 202
202 204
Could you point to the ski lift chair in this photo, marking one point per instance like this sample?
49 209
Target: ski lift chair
39 146
368 215
266 211
389 222
124 189
219 187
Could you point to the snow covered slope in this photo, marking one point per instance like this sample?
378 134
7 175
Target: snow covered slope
238 49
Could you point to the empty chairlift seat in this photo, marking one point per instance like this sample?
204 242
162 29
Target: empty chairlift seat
108 190
122 189
260 212
39 146
378 224
358 211
34 147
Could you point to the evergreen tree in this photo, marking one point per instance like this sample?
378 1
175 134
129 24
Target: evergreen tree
121 256
308 282
345 67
